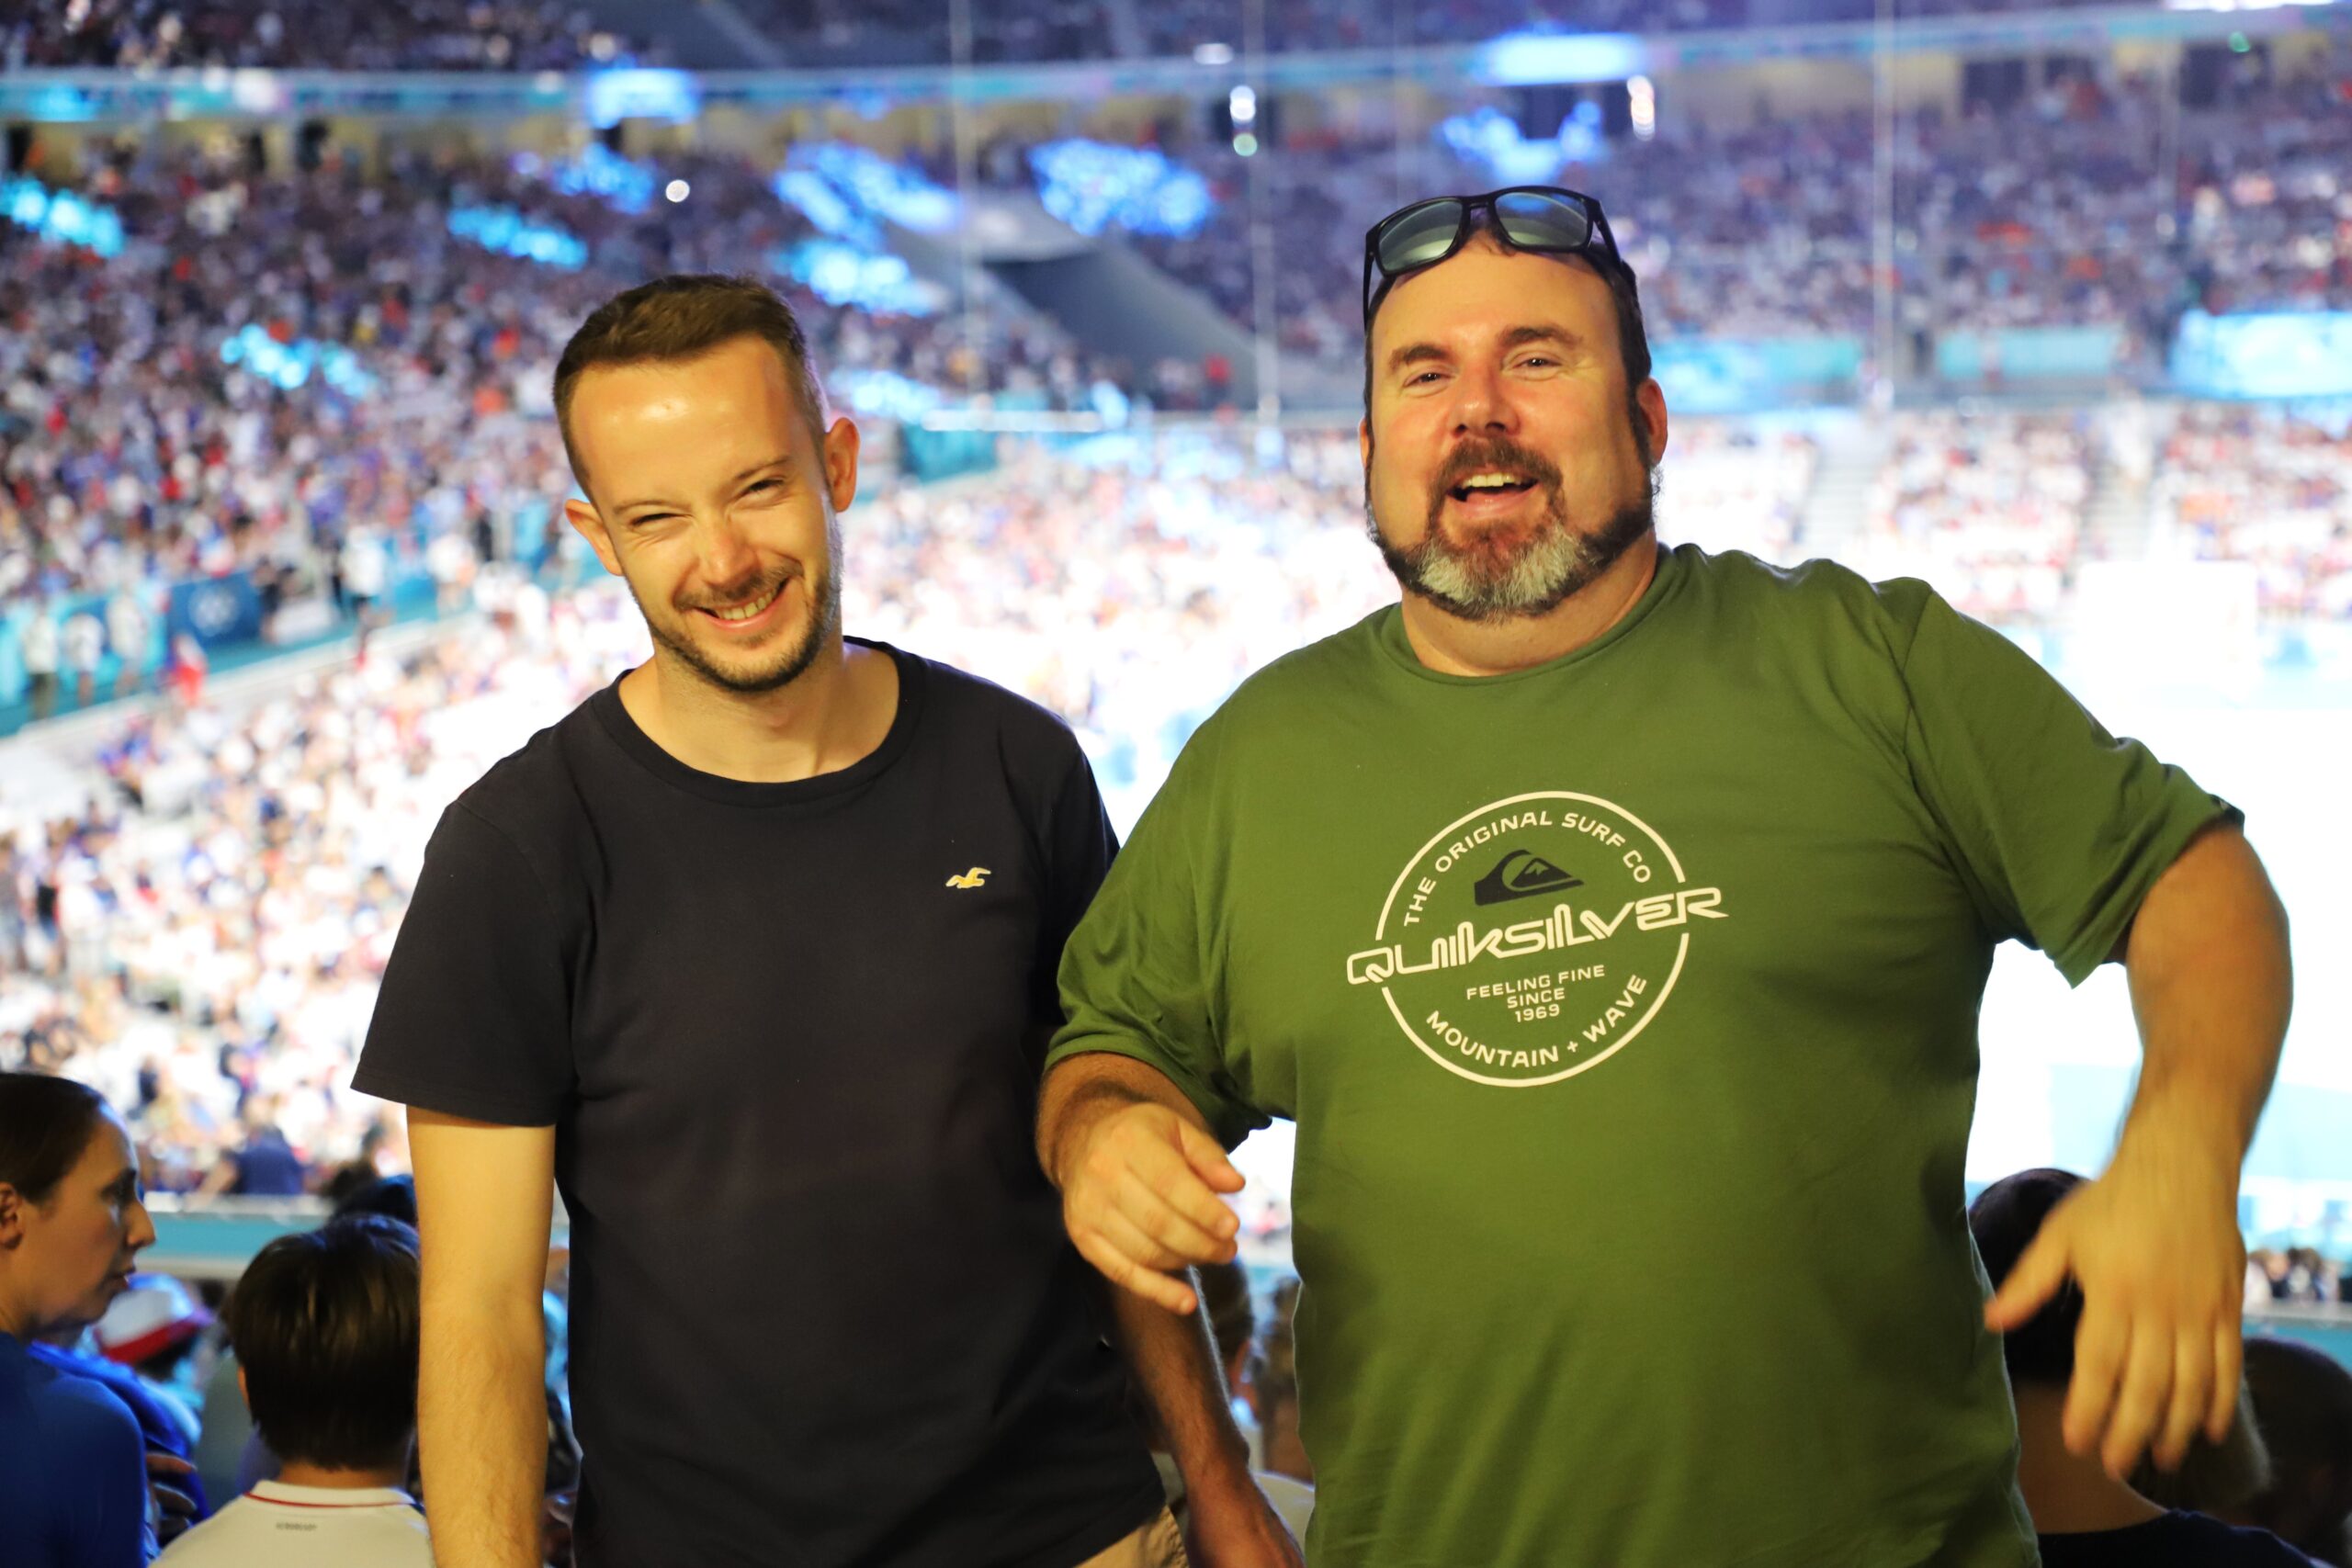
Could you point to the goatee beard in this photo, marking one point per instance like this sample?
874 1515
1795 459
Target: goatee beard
1553 564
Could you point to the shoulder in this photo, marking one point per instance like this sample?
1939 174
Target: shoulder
1304 679
970 709
1814 596
531 800
2211 1540
85 1424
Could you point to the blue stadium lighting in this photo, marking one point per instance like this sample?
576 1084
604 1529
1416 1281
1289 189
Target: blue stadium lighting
884 394
598 172
1520 60
507 231
60 218
1093 185
289 366
864 185
1492 140
807 191
615 95
841 273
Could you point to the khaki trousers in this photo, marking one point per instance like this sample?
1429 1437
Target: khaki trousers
1160 1544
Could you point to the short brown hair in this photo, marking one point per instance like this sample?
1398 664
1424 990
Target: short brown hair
324 1324
680 317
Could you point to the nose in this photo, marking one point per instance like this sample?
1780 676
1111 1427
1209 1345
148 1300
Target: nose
142 1232
723 555
1482 402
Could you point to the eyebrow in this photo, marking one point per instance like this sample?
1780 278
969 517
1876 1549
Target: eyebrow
784 462
124 1185
1518 337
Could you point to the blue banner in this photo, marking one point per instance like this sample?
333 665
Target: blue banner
219 612
2024 354
1726 376
2281 353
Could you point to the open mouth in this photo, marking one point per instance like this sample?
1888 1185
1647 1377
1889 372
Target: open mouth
1495 482
748 614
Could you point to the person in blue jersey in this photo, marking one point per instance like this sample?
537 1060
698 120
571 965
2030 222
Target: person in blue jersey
72 1468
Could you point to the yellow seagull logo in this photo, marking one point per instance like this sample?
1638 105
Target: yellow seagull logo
971 878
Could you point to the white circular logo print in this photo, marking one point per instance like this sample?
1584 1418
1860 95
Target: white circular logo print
1533 938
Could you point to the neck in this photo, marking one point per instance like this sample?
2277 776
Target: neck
834 713
2065 1493
294 1473
1452 646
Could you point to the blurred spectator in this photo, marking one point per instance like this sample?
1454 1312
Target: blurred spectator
155 1328
72 1468
264 1165
2303 1398
2085 1517
324 1324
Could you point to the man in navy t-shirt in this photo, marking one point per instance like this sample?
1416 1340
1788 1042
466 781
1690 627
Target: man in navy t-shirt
754 952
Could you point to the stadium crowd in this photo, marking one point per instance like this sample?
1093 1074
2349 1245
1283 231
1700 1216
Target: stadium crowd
2058 210
417 35
140 456
2260 485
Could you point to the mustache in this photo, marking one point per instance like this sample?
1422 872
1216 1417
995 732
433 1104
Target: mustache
1494 452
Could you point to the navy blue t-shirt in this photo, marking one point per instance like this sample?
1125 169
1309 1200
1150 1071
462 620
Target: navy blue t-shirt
2177 1539
268 1168
790 1036
72 1470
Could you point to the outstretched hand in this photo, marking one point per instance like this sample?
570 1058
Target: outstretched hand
2154 1246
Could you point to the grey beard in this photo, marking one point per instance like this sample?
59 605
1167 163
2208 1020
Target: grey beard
1549 569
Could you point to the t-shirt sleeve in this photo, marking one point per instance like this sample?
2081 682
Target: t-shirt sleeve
474 1016
1135 980
2058 828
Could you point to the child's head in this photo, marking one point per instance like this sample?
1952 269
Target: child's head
324 1326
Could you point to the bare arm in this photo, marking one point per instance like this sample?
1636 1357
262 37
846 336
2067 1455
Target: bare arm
484 1194
2154 1243
1139 1174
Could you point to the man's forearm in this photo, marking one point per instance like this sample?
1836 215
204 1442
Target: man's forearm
2211 986
483 1433
1173 1358
1081 1090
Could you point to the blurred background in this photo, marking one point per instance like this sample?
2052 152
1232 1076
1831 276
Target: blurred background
2048 304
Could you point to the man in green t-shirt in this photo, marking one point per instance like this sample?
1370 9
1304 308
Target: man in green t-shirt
1611 921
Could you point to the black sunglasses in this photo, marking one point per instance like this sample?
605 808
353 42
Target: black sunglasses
1544 218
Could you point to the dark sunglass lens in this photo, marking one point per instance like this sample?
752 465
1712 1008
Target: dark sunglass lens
1542 222
1419 236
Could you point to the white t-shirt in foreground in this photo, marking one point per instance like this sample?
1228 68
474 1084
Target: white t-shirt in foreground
277 1526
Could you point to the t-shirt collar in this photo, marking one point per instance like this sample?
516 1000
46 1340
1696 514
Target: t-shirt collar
330 1497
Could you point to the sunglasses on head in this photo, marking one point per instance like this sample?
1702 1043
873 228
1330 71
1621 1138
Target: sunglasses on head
1543 218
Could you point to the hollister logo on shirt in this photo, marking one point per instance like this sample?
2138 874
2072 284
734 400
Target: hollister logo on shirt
1533 1001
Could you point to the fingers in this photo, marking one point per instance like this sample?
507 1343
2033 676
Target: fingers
1128 1275
2099 1345
2035 1278
175 1504
2192 1384
1206 1157
1170 1227
2141 1404
2229 1366
160 1463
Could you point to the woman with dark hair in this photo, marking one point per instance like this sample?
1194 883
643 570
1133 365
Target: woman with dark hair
73 1469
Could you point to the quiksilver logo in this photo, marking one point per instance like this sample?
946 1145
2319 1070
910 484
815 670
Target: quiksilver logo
1517 1003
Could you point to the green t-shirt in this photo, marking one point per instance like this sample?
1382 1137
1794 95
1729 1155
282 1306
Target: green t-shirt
1627 1006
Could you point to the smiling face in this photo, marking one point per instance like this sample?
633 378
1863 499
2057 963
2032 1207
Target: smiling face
712 497
70 1253
1507 463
